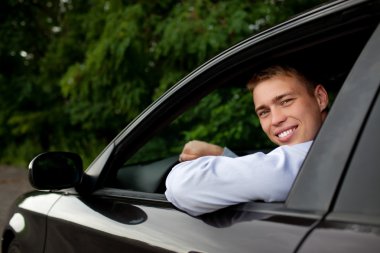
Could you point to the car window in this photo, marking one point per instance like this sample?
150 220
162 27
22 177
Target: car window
225 117
360 193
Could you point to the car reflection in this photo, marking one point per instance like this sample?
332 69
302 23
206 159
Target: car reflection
116 210
17 222
242 213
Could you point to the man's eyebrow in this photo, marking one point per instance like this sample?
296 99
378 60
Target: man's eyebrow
280 97
261 107
274 100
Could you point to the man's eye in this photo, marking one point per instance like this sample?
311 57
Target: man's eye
286 101
262 113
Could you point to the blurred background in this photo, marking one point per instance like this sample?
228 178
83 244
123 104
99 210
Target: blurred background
75 73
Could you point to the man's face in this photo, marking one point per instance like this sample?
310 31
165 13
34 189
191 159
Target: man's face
288 113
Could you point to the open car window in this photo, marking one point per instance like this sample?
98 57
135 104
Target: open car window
213 104
224 117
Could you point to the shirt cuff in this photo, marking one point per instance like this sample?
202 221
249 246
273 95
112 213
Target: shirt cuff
227 152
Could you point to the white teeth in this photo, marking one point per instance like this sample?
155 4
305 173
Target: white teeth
286 133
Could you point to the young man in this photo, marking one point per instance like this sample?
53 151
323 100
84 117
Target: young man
291 110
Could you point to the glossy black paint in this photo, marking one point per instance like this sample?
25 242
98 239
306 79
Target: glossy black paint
103 224
27 223
343 237
55 170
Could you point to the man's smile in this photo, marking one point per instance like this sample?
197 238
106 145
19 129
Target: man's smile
285 135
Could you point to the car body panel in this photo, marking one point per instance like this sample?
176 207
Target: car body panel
343 238
148 227
28 221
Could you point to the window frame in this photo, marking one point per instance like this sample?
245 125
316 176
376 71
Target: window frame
265 47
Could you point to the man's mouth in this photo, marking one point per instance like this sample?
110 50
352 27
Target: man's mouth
286 133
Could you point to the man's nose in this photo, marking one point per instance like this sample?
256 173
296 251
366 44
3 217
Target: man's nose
278 116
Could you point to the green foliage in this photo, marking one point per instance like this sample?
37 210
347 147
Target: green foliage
74 73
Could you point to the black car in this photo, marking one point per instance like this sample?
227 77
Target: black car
118 205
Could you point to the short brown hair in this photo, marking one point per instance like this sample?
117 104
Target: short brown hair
280 70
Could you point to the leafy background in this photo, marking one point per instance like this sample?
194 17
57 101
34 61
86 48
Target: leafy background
74 73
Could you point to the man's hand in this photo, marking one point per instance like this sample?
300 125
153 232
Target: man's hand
195 149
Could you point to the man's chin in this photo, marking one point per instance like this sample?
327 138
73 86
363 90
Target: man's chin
282 143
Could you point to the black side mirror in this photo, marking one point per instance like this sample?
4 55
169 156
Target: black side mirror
55 170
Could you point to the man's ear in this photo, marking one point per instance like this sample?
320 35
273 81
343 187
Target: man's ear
322 97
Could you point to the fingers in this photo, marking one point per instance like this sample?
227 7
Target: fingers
186 157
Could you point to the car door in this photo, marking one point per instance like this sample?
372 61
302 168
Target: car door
112 223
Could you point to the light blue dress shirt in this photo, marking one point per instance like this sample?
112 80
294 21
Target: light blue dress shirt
213 182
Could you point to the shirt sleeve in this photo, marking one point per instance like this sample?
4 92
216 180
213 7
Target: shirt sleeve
213 182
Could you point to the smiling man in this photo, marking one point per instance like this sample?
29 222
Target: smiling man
291 109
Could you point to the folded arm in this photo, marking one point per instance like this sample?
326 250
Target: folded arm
213 182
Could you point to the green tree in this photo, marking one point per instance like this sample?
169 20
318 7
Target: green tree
74 73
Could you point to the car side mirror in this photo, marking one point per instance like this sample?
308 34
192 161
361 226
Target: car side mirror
55 170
